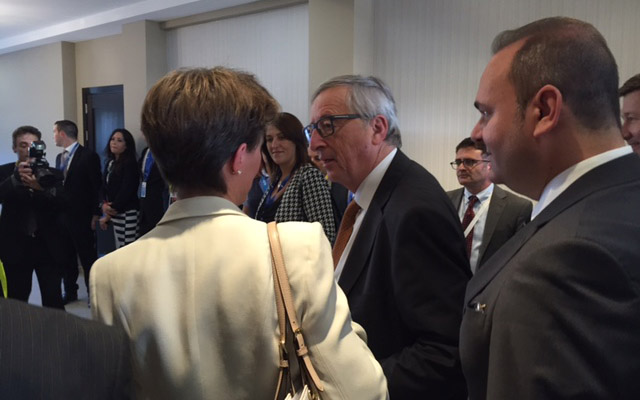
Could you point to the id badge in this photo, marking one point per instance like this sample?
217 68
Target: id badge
143 190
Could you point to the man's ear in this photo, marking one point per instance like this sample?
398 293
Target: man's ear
380 127
547 107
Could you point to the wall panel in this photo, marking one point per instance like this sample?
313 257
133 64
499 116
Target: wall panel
273 45
432 54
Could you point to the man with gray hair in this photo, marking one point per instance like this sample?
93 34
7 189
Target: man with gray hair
555 313
630 93
400 255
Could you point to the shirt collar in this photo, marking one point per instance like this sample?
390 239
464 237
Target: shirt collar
567 177
482 196
71 147
369 185
199 206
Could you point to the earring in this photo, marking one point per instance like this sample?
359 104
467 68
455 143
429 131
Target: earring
238 172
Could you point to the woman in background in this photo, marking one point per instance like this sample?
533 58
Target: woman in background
298 191
120 188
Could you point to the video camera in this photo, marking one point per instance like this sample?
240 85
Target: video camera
47 177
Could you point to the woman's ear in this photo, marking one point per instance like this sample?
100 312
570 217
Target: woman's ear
238 159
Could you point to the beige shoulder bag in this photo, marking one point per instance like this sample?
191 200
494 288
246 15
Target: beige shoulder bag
311 385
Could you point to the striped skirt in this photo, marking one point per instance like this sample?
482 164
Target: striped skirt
125 227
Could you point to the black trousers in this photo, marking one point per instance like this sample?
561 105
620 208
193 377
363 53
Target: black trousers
80 243
20 272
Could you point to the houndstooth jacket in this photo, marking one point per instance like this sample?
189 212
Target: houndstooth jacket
307 198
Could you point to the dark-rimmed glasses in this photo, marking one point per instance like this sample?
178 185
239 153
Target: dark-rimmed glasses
325 126
467 162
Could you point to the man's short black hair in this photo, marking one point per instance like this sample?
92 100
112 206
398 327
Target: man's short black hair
468 142
68 127
24 130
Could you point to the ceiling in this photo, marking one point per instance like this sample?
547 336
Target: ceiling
30 23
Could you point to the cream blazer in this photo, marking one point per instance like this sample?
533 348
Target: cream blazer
196 297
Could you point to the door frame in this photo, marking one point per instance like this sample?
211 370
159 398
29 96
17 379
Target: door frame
89 134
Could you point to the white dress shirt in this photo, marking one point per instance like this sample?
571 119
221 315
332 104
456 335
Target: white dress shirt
563 180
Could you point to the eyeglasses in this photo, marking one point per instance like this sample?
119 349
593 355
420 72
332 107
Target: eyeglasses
325 126
467 162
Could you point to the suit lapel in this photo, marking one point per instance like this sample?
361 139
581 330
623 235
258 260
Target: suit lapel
456 198
496 206
613 173
358 257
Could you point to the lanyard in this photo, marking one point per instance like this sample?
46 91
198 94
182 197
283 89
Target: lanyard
148 163
475 219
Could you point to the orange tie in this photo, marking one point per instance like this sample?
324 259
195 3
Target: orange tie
344 233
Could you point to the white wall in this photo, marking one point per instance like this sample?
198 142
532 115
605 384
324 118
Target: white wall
272 45
432 54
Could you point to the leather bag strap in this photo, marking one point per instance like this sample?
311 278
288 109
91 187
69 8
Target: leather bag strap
280 274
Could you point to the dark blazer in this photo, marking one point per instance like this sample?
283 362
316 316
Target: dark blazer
121 189
404 279
82 185
19 204
555 313
156 200
340 197
506 214
48 354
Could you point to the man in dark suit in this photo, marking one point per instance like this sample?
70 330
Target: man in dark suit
495 214
81 168
28 224
154 193
404 267
37 341
630 93
555 313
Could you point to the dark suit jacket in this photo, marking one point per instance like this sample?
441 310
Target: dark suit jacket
156 201
82 186
339 196
555 313
506 214
19 204
48 354
122 188
404 279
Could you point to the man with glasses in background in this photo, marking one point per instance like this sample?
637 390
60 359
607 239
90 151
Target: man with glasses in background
399 254
489 214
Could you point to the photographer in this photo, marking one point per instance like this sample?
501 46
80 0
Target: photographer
29 193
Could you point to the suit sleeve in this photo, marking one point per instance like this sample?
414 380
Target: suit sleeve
429 273
567 321
317 203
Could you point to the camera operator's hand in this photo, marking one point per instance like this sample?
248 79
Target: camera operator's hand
104 220
94 222
108 210
27 177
